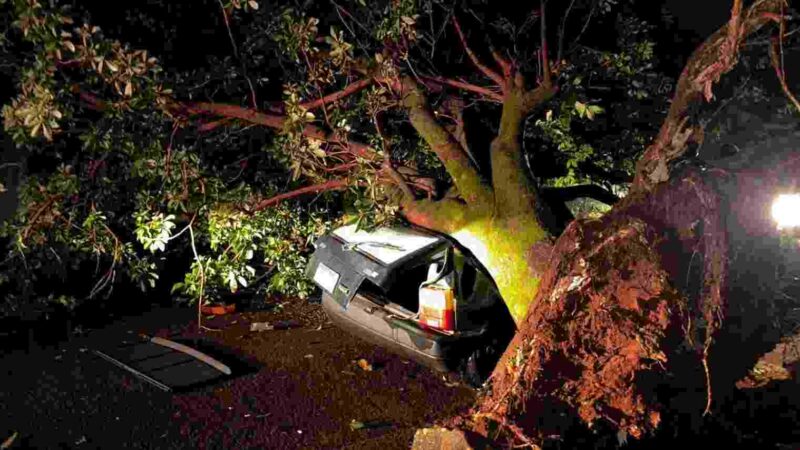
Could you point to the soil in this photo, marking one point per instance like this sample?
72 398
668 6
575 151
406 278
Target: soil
300 387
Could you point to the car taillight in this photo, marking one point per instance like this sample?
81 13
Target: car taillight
437 308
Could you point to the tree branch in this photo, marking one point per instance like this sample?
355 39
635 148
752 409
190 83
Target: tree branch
588 21
351 89
562 31
35 217
776 56
536 97
546 79
444 145
274 121
515 192
504 64
482 91
443 216
715 57
206 127
236 53
491 74
322 187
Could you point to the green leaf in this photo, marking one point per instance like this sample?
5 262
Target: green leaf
595 109
232 285
580 108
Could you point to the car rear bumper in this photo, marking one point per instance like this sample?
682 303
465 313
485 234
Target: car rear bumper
369 321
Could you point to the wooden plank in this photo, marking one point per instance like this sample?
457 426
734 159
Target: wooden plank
192 352
135 372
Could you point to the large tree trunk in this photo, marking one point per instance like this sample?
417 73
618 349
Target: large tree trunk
505 225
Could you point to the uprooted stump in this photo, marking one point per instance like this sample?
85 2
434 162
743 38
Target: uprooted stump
608 323
603 323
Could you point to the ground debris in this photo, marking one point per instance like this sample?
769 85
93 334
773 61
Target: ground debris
364 365
356 425
9 442
280 325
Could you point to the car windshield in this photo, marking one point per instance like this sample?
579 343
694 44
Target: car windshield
387 245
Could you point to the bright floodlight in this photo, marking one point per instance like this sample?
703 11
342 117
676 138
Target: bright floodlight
786 210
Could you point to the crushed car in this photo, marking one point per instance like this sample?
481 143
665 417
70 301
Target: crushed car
416 293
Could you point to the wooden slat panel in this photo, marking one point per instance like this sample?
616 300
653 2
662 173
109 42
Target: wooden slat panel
190 351
135 372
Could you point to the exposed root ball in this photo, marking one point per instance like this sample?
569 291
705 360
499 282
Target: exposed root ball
601 325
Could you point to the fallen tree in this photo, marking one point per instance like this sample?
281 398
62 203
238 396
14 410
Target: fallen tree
614 334
603 318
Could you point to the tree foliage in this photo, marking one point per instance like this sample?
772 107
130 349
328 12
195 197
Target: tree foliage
136 158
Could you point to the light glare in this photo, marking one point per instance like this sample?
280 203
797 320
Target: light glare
786 210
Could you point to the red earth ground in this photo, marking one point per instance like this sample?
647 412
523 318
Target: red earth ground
304 389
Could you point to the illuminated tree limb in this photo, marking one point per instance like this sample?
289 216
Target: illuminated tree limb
444 145
480 90
443 216
515 192
331 185
351 89
275 121
491 74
